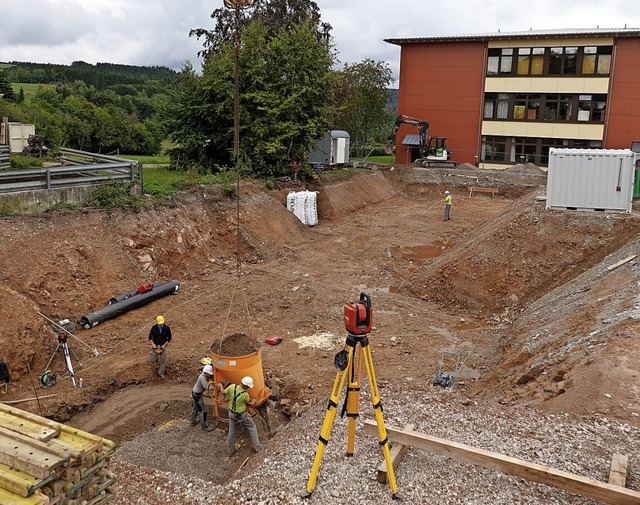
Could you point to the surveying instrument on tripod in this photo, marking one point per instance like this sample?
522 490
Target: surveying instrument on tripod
63 329
348 362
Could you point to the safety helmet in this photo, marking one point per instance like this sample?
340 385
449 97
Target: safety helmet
160 320
208 369
205 361
247 381
446 192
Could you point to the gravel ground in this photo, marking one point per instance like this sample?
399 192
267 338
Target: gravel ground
151 470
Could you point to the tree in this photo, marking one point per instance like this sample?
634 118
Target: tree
5 88
361 101
275 15
285 98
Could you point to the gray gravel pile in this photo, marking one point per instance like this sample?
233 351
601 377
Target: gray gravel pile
279 474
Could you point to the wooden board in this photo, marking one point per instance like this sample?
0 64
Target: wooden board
28 455
396 453
81 438
591 488
21 483
618 473
28 424
8 498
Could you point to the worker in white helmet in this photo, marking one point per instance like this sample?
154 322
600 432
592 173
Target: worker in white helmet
447 206
197 403
239 399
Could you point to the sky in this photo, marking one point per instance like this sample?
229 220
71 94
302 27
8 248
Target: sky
156 32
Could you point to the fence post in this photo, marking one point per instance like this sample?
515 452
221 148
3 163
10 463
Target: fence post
48 179
140 172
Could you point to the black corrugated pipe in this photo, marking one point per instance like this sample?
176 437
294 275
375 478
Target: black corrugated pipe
124 303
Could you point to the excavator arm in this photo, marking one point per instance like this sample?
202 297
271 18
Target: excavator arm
421 126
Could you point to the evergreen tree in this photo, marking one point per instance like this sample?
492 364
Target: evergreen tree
5 88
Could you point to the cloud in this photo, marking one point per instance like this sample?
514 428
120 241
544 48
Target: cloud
146 32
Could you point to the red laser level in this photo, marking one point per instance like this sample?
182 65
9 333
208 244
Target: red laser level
358 315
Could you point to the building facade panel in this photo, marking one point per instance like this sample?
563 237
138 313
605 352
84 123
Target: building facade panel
452 76
624 122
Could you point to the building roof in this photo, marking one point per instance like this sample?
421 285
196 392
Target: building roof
530 34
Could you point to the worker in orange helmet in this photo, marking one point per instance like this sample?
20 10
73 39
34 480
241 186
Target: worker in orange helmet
159 338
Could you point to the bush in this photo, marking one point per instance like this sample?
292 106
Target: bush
114 196
23 161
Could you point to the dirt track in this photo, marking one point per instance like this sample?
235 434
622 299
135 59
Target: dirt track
522 295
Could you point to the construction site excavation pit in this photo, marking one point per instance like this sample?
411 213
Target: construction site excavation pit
540 307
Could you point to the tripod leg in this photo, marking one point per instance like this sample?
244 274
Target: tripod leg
377 410
353 401
67 358
327 424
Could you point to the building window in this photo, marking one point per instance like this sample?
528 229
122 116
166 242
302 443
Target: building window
496 106
526 107
596 60
523 150
493 148
530 61
528 149
591 108
545 107
500 61
557 108
573 60
562 60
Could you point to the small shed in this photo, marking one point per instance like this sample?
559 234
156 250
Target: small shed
332 149
16 135
591 179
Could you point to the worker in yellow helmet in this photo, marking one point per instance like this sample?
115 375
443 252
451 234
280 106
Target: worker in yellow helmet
159 338
447 206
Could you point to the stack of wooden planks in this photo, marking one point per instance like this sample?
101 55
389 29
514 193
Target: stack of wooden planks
47 463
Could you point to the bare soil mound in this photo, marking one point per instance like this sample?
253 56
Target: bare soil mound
522 295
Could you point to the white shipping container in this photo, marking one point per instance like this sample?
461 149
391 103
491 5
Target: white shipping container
591 179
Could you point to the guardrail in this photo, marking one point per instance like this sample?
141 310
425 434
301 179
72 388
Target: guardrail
79 174
4 157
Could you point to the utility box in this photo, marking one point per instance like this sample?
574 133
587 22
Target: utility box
591 179
331 150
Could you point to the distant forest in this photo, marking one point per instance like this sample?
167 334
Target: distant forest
100 75
100 108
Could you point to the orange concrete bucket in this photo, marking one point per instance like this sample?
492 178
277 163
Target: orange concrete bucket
234 368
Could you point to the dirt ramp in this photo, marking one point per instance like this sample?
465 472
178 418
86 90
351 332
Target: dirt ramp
510 262
351 196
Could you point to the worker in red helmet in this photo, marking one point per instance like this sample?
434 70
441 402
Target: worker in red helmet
159 338
239 399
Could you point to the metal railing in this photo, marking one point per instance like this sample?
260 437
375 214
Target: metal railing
85 169
4 157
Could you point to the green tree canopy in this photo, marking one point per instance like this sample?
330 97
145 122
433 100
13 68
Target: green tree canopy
275 15
361 101
285 101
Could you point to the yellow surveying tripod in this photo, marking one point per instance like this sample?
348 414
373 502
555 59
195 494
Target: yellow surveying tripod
357 320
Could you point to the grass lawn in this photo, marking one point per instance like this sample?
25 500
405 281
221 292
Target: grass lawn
159 159
161 182
29 88
378 159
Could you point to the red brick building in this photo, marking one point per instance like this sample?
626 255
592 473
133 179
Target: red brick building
507 98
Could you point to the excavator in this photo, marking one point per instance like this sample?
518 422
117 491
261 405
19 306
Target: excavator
434 152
